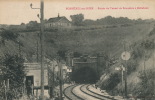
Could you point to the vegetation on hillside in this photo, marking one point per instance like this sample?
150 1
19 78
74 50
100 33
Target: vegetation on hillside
12 77
77 19
146 88
141 51
106 36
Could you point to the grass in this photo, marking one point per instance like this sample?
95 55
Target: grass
87 39
105 39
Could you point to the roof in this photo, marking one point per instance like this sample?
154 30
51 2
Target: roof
55 19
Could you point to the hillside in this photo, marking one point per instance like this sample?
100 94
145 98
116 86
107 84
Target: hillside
105 39
83 40
96 40
140 69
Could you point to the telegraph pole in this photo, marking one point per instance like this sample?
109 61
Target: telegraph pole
60 78
153 52
126 91
122 78
42 43
53 81
37 51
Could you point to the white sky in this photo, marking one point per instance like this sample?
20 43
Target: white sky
18 11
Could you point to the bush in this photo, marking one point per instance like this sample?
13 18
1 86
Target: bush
148 44
12 70
147 88
152 32
138 53
110 83
9 35
131 66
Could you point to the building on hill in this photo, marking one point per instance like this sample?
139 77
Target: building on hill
58 22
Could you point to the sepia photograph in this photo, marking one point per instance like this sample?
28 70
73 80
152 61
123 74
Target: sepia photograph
77 50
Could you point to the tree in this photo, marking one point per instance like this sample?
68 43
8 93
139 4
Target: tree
22 24
32 25
12 70
89 22
61 54
77 19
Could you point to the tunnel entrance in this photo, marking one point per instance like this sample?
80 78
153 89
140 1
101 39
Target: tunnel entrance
84 75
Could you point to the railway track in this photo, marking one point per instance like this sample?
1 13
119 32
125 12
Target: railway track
100 95
68 92
85 91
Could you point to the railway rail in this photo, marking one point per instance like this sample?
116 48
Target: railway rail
100 95
68 92
70 95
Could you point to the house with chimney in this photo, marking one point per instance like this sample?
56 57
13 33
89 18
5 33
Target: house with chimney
58 22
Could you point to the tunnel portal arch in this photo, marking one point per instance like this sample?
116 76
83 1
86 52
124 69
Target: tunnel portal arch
85 75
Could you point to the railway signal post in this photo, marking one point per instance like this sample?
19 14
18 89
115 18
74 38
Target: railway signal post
41 43
125 56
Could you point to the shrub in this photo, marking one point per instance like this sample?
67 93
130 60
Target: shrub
131 66
12 70
9 35
147 44
147 88
152 32
110 83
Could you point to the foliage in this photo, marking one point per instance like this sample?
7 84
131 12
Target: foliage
62 54
88 22
111 82
148 44
152 32
9 35
131 66
13 70
22 24
104 63
77 54
109 20
77 19
137 53
141 49
147 88
32 26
